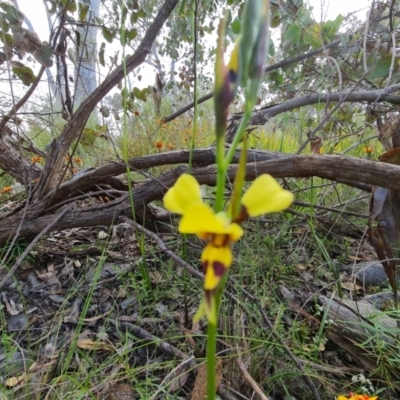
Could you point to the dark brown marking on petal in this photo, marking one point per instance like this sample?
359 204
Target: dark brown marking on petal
225 242
219 269
242 216
204 264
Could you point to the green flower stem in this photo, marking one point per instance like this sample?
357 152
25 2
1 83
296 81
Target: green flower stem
238 184
221 173
239 133
212 344
211 348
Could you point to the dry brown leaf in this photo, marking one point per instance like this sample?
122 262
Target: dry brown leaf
315 145
88 344
354 258
178 378
13 381
200 384
199 391
351 286
120 391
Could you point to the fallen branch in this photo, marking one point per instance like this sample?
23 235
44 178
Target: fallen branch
337 168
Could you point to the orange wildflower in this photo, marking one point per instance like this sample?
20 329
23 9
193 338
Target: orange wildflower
170 146
159 144
36 159
78 160
7 189
368 149
353 396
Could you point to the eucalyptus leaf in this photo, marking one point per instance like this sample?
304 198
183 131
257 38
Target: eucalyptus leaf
25 74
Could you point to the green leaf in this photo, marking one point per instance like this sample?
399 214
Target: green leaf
134 17
142 14
25 74
83 10
337 22
236 24
381 68
308 37
108 34
13 16
69 5
101 54
292 35
141 94
275 21
6 38
43 55
130 34
271 48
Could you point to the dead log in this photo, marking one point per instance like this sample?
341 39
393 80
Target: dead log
336 168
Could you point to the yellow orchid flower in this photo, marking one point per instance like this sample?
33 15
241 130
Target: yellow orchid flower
264 195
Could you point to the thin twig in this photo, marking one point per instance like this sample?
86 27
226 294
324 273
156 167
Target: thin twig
33 243
251 381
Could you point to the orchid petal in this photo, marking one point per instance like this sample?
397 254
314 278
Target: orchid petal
200 218
183 194
215 261
265 195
